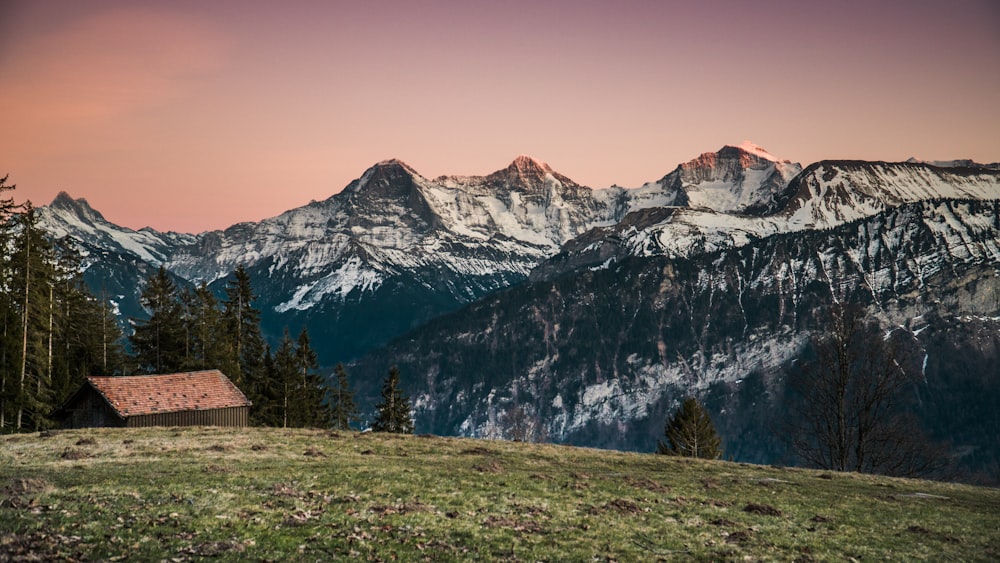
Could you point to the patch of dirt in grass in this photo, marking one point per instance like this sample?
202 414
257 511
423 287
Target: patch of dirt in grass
723 522
29 486
491 467
42 546
313 452
762 509
513 524
302 517
215 469
402 508
710 484
72 454
258 448
218 448
818 519
13 495
86 442
478 450
740 537
286 490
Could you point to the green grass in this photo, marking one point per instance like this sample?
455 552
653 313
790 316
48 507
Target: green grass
269 494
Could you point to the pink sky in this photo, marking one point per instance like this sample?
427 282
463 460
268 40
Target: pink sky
192 115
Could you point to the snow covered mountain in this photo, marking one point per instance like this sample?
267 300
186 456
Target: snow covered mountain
116 260
76 219
395 249
706 281
822 196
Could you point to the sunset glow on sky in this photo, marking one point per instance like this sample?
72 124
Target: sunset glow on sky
193 115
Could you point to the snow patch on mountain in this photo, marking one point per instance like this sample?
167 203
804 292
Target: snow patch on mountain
351 275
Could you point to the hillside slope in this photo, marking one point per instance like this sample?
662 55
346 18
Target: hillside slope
268 494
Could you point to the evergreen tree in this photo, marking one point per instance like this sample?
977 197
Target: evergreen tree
312 410
204 348
393 413
690 433
344 410
8 315
82 339
32 277
241 326
159 342
300 397
267 394
285 374
49 335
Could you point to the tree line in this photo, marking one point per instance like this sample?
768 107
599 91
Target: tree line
54 333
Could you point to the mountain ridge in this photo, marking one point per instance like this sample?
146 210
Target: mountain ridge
448 241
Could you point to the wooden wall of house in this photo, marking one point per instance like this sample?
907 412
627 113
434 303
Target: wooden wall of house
233 416
91 410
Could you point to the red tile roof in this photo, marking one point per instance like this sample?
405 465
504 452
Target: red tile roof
152 394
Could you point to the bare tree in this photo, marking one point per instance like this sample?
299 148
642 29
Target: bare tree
851 402
522 426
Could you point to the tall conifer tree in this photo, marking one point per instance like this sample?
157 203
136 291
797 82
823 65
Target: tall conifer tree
241 321
159 342
312 407
393 413
344 411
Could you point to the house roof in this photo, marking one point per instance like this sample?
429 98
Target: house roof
175 392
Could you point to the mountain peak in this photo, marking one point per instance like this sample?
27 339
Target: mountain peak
395 163
750 147
79 207
525 163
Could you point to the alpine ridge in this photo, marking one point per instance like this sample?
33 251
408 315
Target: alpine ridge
598 311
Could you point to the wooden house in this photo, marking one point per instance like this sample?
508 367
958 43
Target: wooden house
200 398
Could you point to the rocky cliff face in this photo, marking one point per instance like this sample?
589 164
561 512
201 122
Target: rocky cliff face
602 355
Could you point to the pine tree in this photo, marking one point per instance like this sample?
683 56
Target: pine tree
241 322
205 349
393 413
32 276
266 394
312 408
159 342
690 433
8 318
344 410
49 335
285 372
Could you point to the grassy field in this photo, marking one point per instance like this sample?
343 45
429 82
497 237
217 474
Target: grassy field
266 494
